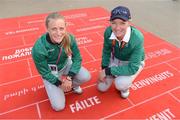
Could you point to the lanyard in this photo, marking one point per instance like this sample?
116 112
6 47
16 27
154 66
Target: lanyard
60 51
121 46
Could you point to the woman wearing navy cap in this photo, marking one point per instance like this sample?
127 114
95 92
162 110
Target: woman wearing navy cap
123 53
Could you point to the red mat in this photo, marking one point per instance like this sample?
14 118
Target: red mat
154 94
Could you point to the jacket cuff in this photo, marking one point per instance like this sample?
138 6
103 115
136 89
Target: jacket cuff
103 67
58 82
108 71
71 74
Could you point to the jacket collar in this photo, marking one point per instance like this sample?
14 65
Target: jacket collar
48 38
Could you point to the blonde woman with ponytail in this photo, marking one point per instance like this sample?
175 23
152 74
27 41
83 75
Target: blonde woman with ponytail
58 60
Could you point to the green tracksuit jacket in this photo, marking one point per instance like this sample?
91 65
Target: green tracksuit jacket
44 52
133 52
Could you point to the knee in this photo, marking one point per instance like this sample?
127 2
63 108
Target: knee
84 75
58 107
102 87
122 83
87 76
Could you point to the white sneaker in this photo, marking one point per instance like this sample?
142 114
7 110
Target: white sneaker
125 94
78 90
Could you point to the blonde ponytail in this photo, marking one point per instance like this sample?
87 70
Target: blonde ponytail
66 43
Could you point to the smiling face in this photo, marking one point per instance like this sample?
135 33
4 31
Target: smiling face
119 27
56 29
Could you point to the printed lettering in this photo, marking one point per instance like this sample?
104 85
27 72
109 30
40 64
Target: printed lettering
151 80
81 105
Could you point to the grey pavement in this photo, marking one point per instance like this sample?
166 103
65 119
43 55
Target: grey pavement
160 17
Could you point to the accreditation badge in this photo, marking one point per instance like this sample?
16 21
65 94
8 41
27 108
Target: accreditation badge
54 69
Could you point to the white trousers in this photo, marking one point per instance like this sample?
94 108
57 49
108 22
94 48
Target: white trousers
56 95
122 83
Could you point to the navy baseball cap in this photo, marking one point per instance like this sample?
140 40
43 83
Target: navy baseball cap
120 12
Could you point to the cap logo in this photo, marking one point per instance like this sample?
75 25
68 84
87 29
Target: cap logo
120 11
